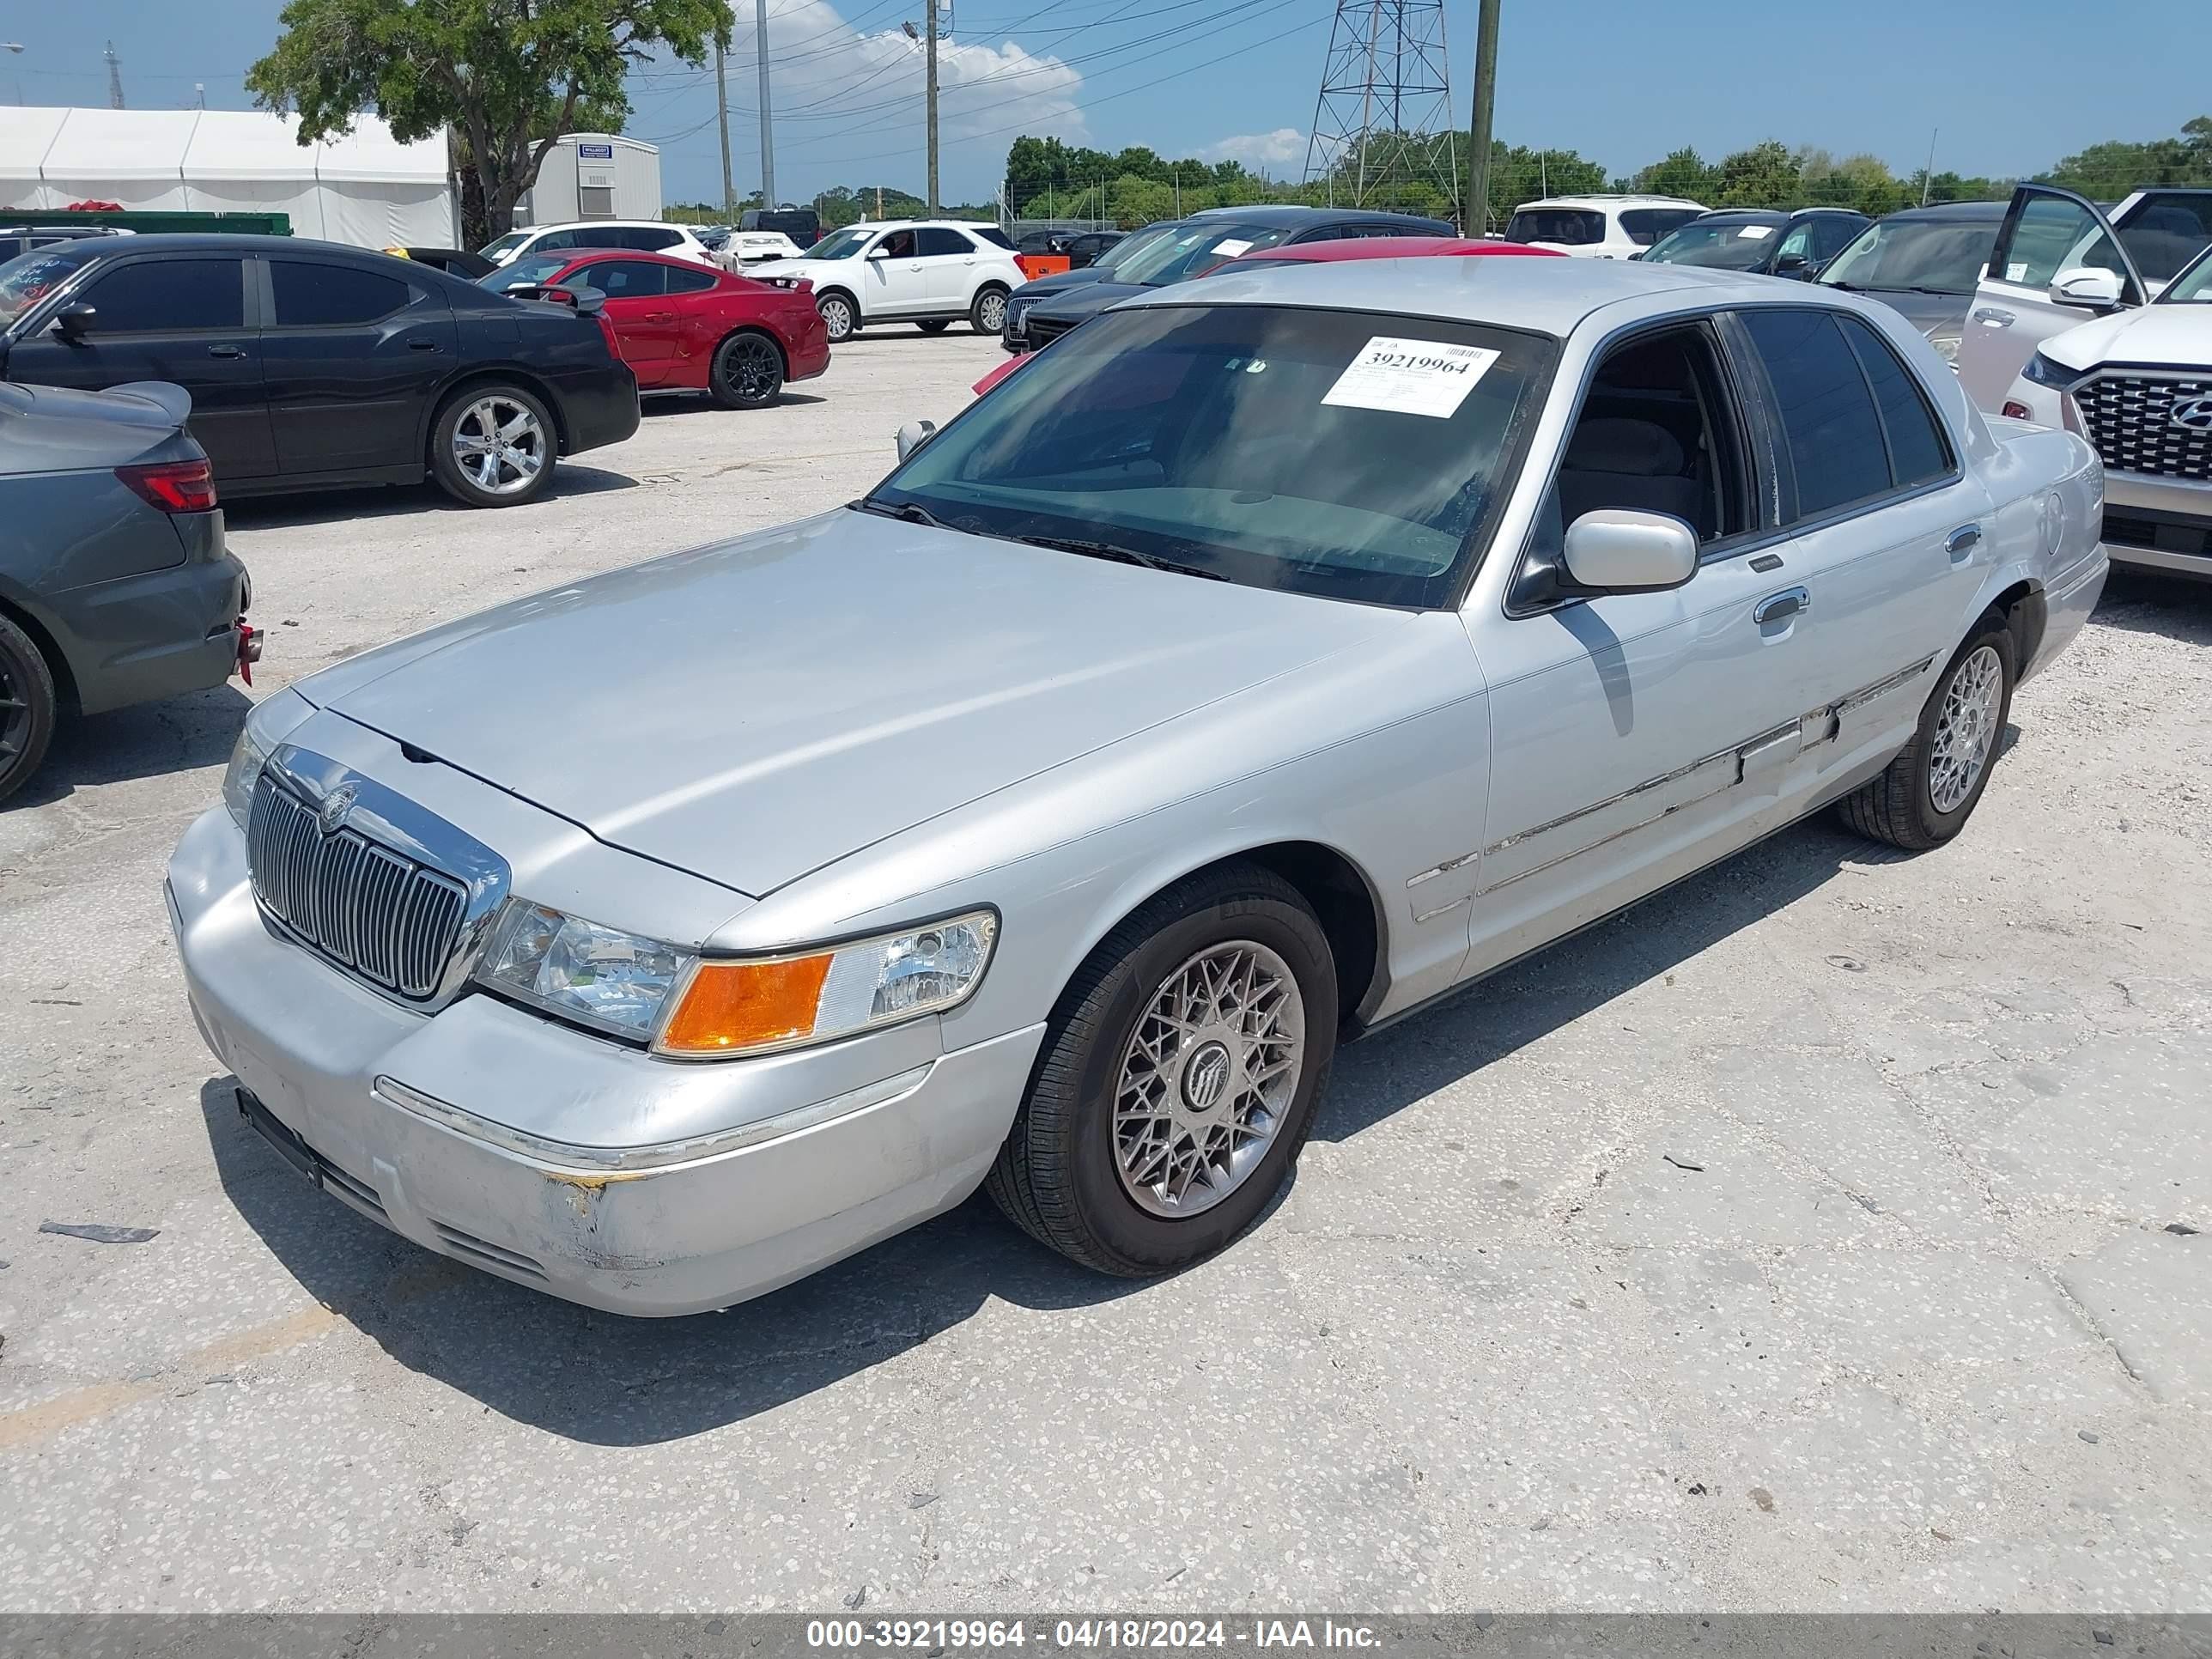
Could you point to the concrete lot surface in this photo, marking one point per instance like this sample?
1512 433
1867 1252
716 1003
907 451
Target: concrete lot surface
1817 1236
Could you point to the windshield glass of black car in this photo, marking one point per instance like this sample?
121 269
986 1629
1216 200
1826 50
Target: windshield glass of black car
1353 454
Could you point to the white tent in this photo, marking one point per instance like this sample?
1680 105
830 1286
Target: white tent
367 188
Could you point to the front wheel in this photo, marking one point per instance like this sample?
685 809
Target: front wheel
27 708
1179 1078
839 317
748 371
493 446
1927 793
988 315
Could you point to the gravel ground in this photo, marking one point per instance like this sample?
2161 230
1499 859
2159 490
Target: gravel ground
1817 1236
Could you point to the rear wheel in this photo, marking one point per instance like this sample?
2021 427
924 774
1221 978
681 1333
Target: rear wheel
1927 793
493 446
27 708
839 316
1181 1073
748 371
988 315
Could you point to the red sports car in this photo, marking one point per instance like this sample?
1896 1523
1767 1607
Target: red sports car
682 326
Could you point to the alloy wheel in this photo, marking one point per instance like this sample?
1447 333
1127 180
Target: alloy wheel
838 316
991 313
499 444
750 368
1966 729
15 716
1208 1078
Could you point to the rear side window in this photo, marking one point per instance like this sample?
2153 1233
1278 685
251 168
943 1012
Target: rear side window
321 296
169 295
937 240
689 282
648 241
1569 226
1831 430
994 235
1644 226
1916 449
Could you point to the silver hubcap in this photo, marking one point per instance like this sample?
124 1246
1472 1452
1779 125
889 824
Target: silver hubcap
991 314
1966 729
839 316
1208 1078
499 444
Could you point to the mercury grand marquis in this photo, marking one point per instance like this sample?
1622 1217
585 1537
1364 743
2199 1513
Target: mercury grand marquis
1270 657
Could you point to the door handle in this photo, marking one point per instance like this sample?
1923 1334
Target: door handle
1781 607
1993 317
1962 541
226 351
421 345
660 317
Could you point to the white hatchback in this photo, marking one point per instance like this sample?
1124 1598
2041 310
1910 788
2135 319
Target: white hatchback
1599 227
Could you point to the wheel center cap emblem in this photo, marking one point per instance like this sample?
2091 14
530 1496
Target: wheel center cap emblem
1205 1079
335 805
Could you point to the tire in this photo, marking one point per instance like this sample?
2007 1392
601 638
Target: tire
747 371
487 409
1061 1174
839 315
1923 798
934 325
27 708
987 312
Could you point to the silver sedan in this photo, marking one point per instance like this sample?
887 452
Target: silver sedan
1260 663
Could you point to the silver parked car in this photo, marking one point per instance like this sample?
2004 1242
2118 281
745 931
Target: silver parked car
1270 657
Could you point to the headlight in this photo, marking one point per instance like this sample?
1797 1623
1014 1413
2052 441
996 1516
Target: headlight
272 721
709 1007
1946 346
2043 372
732 1007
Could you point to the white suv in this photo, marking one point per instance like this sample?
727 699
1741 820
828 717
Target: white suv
927 272
645 235
1599 227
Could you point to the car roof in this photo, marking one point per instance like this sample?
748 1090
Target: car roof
1549 296
592 255
917 224
605 224
211 241
1385 247
1295 215
1952 211
1603 201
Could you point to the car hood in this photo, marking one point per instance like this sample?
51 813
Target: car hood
753 710
1931 313
1039 287
2176 337
1090 300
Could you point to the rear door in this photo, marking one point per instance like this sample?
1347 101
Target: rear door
2046 233
183 318
638 307
948 266
352 357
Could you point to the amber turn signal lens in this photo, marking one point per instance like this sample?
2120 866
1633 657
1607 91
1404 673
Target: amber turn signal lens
747 1005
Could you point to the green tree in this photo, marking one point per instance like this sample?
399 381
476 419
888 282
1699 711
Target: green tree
1765 175
508 76
1680 173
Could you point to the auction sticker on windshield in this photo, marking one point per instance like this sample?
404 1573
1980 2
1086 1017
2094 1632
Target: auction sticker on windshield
1230 249
1411 377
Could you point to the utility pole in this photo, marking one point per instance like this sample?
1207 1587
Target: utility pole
722 127
768 135
1485 97
114 77
930 32
1928 172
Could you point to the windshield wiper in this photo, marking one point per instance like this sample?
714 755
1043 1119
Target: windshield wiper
911 512
1118 554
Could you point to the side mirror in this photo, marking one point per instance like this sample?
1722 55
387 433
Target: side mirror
1793 265
913 435
2087 287
1619 550
880 251
74 322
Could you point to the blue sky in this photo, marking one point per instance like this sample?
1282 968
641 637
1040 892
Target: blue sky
2011 86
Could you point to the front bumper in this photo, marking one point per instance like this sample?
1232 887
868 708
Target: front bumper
419 1121
2159 524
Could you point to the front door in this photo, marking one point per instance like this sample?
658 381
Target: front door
898 284
351 357
2048 234
637 305
181 319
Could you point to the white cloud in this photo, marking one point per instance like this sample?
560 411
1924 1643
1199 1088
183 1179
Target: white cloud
1260 149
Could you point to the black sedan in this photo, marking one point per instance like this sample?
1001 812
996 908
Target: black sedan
1191 247
115 586
311 365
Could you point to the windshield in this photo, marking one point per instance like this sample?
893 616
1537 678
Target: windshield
1358 456
505 245
1943 255
1737 247
1192 250
1113 259
29 278
531 268
841 243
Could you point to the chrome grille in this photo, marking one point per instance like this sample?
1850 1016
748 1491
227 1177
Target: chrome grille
2130 420
1042 331
390 919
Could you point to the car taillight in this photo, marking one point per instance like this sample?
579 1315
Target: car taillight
606 328
173 486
